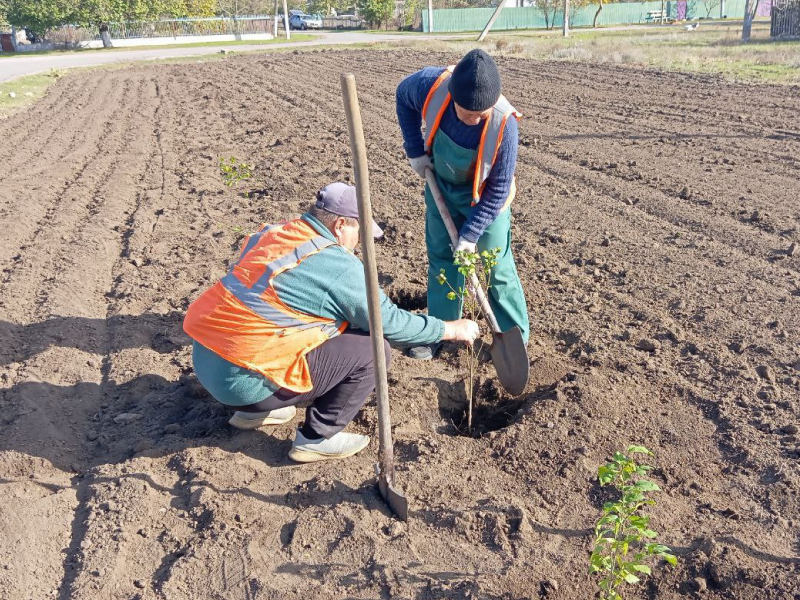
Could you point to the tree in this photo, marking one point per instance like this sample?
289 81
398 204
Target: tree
99 13
465 4
600 9
37 16
748 20
549 8
710 5
327 7
236 8
410 8
597 14
40 16
194 8
376 11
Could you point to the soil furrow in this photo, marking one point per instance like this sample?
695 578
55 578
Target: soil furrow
652 229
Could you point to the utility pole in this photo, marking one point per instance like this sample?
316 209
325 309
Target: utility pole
566 18
495 14
275 19
286 20
430 16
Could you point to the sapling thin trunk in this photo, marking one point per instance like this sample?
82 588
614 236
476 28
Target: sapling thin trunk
480 265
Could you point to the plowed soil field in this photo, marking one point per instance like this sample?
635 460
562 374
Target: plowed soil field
656 229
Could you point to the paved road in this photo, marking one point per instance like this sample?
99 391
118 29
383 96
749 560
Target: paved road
18 66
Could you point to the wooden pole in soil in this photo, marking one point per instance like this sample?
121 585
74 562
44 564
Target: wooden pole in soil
355 128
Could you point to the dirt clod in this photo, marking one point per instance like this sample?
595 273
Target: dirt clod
648 345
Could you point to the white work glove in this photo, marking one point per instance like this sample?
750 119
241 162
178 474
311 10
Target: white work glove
421 163
461 330
464 245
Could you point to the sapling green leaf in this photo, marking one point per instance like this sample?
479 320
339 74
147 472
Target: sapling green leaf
621 533
233 171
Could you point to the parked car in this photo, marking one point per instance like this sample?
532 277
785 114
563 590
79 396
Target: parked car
305 21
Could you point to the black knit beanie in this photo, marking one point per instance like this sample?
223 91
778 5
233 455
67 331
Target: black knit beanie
475 83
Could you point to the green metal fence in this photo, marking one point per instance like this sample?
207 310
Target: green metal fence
620 13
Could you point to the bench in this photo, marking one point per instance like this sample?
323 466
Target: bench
655 15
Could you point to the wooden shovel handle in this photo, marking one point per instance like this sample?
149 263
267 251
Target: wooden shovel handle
475 285
359 149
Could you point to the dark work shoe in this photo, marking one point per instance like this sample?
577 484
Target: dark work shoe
427 352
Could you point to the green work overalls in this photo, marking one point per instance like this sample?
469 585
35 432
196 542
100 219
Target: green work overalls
454 167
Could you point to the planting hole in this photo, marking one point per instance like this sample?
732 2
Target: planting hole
408 299
492 410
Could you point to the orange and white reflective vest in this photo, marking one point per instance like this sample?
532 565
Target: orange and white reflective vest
432 112
242 319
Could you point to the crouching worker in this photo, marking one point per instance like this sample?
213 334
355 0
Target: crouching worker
289 324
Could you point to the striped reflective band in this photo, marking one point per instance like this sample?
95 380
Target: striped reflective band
490 141
434 108
252 296
252 240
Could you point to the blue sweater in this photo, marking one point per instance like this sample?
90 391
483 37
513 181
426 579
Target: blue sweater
411 95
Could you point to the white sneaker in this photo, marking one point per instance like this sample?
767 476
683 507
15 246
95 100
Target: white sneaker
340 445
248 420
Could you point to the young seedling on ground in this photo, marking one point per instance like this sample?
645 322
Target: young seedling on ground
233 171
621 545
469 264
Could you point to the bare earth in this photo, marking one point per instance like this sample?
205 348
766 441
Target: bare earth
652 229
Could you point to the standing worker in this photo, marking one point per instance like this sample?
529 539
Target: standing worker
470 143
289 324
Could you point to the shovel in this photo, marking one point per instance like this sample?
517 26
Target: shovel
509 355
397 502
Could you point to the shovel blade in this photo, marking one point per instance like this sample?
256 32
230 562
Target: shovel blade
510 358
396 501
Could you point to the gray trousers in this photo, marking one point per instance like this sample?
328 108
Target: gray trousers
343 375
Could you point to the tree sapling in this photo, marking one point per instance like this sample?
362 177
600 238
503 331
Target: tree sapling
233 171
469 264
620 546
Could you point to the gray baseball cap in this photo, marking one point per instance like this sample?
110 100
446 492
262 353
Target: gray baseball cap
340 199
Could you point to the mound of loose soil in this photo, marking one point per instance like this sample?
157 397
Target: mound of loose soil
653 227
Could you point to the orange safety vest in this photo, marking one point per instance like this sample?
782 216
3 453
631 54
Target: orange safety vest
242 319
432 112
